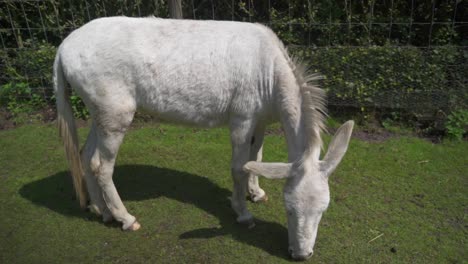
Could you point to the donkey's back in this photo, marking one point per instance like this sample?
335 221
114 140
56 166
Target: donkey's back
196 72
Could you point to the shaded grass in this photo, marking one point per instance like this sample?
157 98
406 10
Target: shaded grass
407 193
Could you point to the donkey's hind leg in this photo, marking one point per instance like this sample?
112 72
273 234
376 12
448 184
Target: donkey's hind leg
97 204
256 193
110 131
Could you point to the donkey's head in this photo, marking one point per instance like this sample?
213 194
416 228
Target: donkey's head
306 193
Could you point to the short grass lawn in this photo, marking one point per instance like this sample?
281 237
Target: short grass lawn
400 201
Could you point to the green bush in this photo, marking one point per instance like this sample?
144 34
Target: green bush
457 124
407 80
20 98
79 108
32 65
29 72
367 76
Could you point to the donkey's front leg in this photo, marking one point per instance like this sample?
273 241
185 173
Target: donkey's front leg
257 194
241 134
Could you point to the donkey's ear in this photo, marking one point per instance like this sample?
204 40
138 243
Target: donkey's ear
337 148
270 170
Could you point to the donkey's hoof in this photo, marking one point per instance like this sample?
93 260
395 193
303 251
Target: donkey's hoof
259 199
134 227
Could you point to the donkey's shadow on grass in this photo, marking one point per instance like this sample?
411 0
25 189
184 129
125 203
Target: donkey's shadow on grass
140 182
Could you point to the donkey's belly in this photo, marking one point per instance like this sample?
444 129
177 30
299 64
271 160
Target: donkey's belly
197 107
178 116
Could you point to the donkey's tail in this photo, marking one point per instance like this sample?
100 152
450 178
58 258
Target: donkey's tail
67 130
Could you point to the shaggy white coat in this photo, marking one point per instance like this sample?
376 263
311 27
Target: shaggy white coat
203 73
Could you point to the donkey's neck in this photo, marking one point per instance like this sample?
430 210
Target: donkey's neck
294 123
301 130
297 136
302 107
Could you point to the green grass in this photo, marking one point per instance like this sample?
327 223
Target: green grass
407 193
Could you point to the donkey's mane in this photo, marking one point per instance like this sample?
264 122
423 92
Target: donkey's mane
313 101
313 97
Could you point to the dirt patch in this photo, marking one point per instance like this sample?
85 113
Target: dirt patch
369 135
44 116
6 121
48 114
374 136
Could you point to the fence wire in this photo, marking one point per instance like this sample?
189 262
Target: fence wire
320 31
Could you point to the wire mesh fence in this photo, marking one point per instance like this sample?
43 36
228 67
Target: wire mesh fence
408 55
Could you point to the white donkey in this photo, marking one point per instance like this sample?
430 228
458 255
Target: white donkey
204 73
